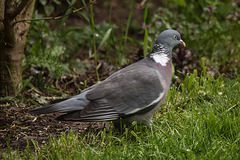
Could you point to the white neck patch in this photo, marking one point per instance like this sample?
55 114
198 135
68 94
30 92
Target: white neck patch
161 59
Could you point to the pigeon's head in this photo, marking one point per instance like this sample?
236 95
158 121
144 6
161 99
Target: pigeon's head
170 38
162 49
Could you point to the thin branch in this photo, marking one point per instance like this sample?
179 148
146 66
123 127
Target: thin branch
57 17
19 8
2 9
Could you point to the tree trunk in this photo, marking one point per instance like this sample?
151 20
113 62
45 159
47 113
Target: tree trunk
12 41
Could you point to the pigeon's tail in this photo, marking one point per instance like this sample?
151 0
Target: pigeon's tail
45 110
51 108
66 106
75 103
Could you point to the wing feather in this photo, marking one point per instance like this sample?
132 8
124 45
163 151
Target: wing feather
131 90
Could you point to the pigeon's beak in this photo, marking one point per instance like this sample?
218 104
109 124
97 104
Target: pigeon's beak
183 43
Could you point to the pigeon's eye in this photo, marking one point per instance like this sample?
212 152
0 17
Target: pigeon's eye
175 36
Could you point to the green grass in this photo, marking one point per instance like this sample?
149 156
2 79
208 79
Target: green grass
200 120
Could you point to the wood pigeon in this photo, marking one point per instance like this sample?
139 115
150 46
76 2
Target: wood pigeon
133 93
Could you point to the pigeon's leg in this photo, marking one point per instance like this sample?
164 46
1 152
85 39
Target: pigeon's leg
146 122
121 124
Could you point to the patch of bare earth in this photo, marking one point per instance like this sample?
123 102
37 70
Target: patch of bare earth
18 126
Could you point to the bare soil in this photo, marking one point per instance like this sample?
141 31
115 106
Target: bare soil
18 126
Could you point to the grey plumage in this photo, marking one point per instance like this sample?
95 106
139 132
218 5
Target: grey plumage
132 94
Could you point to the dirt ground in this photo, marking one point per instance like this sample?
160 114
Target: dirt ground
21 126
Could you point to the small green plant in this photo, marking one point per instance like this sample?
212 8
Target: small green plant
145 46
195 86
44 50
208 27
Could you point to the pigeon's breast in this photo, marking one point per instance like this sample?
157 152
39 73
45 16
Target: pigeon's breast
166 72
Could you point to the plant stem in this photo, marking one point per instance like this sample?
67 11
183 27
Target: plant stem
94 40
126 31
145 46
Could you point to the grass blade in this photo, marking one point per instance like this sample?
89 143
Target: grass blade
105 38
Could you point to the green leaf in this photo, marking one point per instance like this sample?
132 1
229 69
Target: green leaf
145 46
201 3
147 17
71 2
48 9
26 83
105 38
43 2
182 3
99 65
64 19
57 2
73 29
6 98
35 103
140 43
